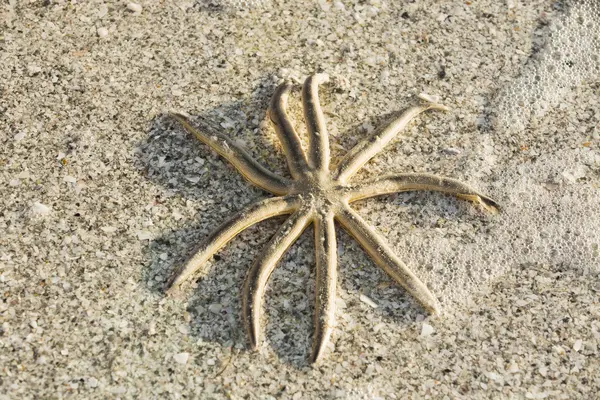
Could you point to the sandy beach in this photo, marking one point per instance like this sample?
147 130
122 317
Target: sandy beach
104 196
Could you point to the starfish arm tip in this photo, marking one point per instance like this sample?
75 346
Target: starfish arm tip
319 345
253 342
434 309
428 301
433 101
486 202
172 285
316 356
251 319
489 204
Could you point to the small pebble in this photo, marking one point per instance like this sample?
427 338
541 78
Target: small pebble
325 6
102 32
577 345
102 11
215 308
452 151
338 5
368 301
144 235
135 7
92 382
493 376
19 136
41 209
33 69
426 330
183 329
181 358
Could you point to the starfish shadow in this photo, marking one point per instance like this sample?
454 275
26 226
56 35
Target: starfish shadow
188 171
204 185
289 302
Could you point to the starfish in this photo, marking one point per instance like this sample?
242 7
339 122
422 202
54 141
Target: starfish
319 195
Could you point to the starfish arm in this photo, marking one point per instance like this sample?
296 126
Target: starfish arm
285 131
408 182
256 280
385 258
238 157
315 122
371 146
251 215
326 281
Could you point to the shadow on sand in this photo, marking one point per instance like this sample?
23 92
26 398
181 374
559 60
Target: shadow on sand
199 180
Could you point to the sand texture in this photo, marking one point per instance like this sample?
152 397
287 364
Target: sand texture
103 197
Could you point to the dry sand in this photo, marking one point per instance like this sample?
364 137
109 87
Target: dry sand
102 198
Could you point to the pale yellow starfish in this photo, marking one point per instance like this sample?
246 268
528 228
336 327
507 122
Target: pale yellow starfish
316 195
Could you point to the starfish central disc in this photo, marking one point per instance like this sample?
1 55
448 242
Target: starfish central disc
319 196
319 192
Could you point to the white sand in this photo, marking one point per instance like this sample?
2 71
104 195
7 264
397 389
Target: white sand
102 198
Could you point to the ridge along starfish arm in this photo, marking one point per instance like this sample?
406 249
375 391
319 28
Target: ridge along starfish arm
320 197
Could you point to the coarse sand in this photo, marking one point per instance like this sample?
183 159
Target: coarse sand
102 197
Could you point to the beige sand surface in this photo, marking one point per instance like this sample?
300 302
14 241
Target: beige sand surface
102 197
